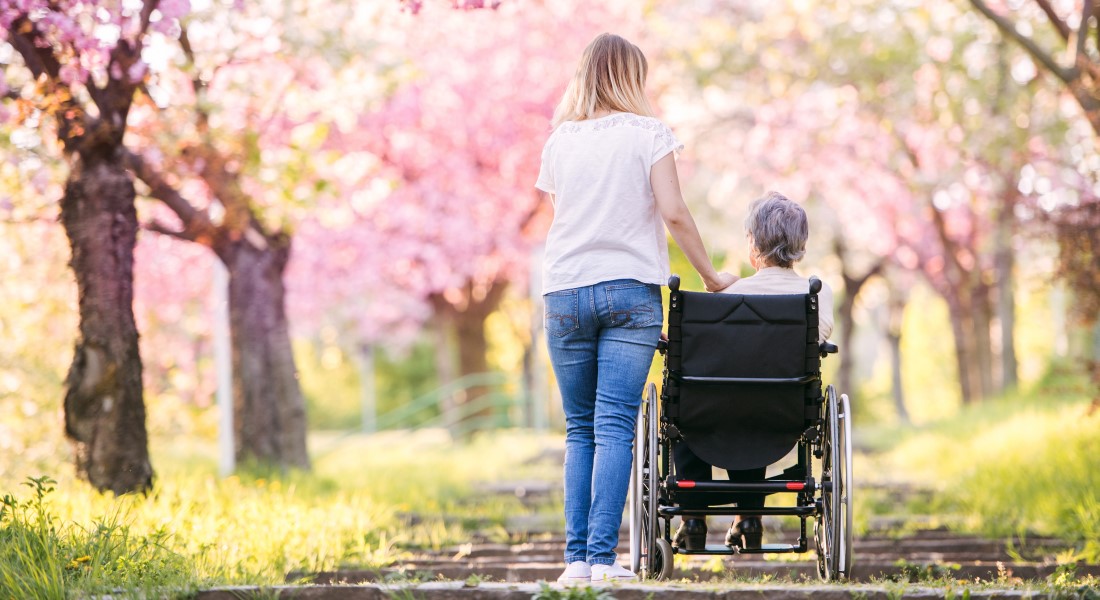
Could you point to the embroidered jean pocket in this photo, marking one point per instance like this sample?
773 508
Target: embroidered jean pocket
562 313
634 305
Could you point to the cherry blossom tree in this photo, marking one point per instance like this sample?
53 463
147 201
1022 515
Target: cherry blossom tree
766 122
459 140
230 162
81 66
877 114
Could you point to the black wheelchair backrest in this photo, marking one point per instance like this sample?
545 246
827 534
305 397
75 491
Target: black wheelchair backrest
743 375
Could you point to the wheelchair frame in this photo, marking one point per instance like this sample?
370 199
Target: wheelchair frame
827 498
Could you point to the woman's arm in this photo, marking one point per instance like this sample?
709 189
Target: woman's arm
670 202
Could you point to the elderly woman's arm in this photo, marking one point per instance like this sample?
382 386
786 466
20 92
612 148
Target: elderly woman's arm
825 313
670 202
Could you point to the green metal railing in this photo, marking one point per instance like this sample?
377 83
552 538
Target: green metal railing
505 403
428 409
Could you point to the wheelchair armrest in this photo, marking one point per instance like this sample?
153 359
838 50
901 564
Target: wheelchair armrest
662 346
827 348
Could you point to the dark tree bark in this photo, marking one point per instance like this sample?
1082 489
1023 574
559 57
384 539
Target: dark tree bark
104 409
269 410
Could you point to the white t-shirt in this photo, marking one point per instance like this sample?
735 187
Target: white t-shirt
606 223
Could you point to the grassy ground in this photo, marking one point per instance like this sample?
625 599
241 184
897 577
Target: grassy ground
1027 464
1024 465
367 503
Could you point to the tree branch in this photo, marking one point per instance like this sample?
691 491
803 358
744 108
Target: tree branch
40 60
197 226
213 167
158 227
116 96
1059 24
1008 28
198 86
1082 34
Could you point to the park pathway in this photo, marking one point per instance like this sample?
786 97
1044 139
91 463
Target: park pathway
889 564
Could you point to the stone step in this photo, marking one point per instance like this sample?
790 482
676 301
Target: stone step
954 547
458 590
706 571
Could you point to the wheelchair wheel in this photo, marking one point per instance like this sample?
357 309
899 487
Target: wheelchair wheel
662 560
647 557
827 528
844 515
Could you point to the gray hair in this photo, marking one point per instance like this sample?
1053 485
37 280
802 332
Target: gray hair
779 229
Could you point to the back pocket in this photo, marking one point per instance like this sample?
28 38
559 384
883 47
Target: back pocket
634 305
562 313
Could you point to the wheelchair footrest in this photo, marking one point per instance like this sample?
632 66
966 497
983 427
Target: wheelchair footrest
781 511
721 549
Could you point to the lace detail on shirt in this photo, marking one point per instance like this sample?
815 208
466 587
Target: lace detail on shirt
664 134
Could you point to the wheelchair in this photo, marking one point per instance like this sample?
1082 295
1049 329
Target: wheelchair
741 389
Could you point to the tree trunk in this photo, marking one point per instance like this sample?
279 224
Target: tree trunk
269 411
473 349
982 317
962 289
896 307
445 371
104 409
465 324
368 390
1004 262
845 311
960 325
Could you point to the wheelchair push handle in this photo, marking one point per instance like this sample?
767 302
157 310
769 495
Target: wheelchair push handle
815 284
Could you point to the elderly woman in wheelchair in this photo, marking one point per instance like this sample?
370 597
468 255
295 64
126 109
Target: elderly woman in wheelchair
742 390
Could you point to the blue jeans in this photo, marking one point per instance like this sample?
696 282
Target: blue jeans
601 339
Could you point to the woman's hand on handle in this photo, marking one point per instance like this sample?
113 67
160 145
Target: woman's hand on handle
670 202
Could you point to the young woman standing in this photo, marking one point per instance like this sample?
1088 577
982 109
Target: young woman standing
609 169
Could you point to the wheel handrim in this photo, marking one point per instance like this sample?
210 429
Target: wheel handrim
837 477
652 471
637 500
643 504
826 532
845 521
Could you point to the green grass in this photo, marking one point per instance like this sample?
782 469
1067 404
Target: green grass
1028 464
370 502
1023 465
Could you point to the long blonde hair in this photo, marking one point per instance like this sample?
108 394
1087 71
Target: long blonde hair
611 77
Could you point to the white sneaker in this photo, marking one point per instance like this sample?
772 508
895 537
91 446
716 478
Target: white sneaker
612 573
577 572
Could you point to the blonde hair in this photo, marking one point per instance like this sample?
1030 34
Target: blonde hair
611 76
